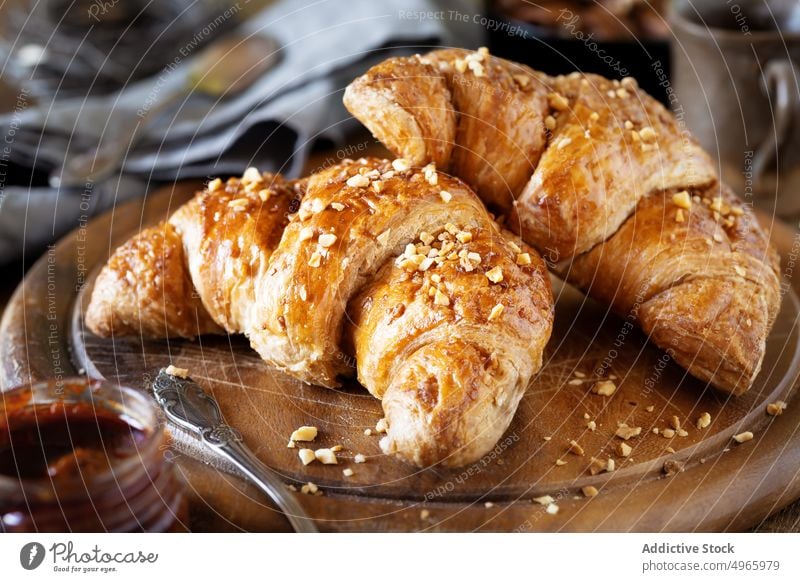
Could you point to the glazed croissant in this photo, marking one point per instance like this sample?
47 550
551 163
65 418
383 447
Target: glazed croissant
605 183
403 268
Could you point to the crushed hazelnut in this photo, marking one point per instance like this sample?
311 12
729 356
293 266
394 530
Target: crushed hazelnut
648 134
214 184
424 514
304 433
359 458
650 408
315 260
401 164
743 437
668 433
557 101
682 200
776 408
337 206
543 500
591 425
326 457
445 196
309 488
704 420
382 425
496 312
306 233
560 463
604 388
337 448
589 491
624 449
251 175
524 259
675 422
628 432
177 372
326 240
347 472
679 215
307 456
552 509
550 122
440 298
495 274
575 448
358 181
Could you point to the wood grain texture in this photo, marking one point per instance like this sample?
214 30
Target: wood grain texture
731 490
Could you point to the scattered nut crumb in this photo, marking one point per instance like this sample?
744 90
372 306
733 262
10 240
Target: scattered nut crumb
589 491
668 433
591 425
290 444
337 448
604 388
743 437
683 433
543 500
488 505
368 432
495 275
628 432
776 408
560 463
650 408
576 449
704 420
177 372
382 425
552 509
310 488
401 164
496 312
307 456
347 472
445 196
624 449
359 458
424 514
304 433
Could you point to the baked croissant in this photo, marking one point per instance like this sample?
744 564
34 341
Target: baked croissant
605 183
403 268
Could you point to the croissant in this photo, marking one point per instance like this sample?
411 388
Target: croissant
601 179
404 268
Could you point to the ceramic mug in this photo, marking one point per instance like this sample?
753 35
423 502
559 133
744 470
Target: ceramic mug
736 83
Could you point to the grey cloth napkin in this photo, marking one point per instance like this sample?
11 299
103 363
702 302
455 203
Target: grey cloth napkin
272 124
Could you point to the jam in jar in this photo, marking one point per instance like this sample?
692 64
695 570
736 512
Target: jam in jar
85 455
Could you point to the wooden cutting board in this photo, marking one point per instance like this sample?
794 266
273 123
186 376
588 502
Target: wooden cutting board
723 485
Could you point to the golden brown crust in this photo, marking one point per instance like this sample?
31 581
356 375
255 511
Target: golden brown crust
702 282
610 153
286 279
145 290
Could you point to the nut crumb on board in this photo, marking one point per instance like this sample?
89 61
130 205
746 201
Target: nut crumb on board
552 509
604 388
304 433
359 458
543 500
368 432
347 472
624 449
310 489
424 514
560 463
307 456
650 408
776 408
382 425
704 420
626 432
177 372
575 448
326 457
743 437
589 491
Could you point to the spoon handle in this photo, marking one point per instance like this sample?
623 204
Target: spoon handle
191 408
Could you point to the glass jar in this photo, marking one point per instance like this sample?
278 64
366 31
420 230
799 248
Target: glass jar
84 455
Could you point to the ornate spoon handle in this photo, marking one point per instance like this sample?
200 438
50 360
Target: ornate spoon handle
188 406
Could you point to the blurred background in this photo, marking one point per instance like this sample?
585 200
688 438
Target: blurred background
104 100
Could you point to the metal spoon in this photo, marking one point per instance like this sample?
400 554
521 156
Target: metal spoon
192 409
222 70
